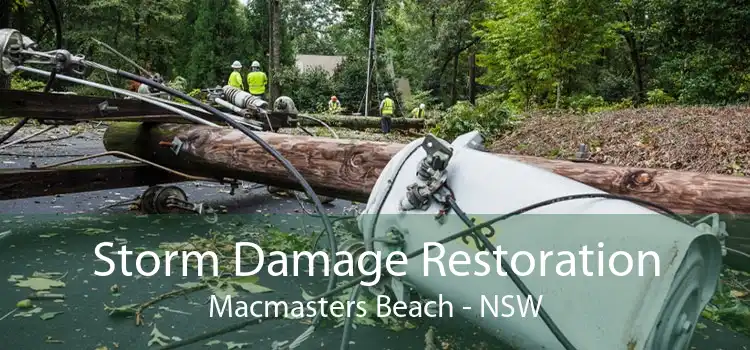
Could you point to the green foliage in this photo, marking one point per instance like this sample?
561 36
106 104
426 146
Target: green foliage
418 97
658 97
730 306
490 116
19 83
310 89
586 103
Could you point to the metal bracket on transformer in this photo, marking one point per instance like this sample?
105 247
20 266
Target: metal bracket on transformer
716 227
431 173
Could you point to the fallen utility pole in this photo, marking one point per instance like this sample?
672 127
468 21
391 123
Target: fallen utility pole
26 183
348 169
362 123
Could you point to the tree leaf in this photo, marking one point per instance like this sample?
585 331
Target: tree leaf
24 304
248 283
29 313
91 231
158 338
232 345
222 290
36 283
49 315
189 285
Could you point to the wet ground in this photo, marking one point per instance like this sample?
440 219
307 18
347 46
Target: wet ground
59 234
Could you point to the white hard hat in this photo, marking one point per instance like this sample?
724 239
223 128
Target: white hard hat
421 106
255 64
385 94
236 64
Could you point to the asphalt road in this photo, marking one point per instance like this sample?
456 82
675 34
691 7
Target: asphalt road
45 236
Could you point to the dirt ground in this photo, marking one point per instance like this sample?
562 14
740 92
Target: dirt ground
702 139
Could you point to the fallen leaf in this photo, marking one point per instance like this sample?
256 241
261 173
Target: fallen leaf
212 343
90 231
29 313
24 304
189 285
738 294
173 310
50 340
102 348
306 296
223 290
232 345
36 283
51 275
15 278
248 283
157 338
49 315
48 235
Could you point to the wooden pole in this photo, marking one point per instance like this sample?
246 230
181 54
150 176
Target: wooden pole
348 169
362 123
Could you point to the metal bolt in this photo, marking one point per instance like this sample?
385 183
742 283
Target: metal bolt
684 324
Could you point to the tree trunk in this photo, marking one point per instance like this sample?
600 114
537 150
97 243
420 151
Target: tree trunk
472 77
5 23
454 88
275 48
348 169
362 123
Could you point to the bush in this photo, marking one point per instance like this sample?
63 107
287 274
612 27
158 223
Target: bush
418 97
490 116
19 83
585 103
310 89
658 97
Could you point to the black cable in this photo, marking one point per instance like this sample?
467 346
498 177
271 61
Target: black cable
273 152
25 120
349 319
14 129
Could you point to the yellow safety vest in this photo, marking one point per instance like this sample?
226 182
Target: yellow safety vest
387 107
256 82
235 80
417 113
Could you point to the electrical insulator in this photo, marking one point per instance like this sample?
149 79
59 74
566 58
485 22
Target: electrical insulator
243 99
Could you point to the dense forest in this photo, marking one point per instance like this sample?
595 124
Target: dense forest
512 55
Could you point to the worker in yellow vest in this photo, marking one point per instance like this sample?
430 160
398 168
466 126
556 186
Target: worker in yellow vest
257 81
386 113
235 79
418 112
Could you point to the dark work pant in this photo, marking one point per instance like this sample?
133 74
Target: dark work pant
385 124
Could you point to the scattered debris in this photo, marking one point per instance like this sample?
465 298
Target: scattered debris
24 304
38 283
49 315
158 338
646 137
29 313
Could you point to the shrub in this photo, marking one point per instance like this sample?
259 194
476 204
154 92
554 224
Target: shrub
490 116
658 97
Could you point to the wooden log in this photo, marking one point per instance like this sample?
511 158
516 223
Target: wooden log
348 169
17 103
363 123
27 183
